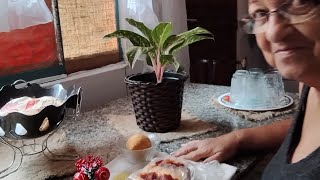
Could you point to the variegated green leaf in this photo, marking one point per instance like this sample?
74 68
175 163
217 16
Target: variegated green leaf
166 59
143 28
195 31
136 39
151 55
188 41
134 53
171 41
161 32
176 42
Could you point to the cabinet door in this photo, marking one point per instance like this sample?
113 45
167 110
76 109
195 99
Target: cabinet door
219 17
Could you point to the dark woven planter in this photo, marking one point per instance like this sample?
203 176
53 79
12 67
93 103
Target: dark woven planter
157 106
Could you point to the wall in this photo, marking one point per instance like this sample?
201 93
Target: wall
99 85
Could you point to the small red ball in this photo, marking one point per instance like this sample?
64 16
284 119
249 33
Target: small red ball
80 176
102 173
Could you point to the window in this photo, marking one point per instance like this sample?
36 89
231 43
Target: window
83 24
72 42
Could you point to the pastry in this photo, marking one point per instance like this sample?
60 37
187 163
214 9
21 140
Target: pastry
138 142
167 169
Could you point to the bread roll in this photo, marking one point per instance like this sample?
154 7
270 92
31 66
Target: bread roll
138 142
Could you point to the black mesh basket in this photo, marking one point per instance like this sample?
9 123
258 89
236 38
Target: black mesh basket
157 106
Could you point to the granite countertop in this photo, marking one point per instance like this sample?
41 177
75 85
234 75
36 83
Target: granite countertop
90 133
197 99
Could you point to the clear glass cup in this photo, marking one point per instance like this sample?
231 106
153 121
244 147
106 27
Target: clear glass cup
256 71
257 89
274 88
254 89
237 92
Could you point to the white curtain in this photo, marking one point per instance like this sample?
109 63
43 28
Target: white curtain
153 11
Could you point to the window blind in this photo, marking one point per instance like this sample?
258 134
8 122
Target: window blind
83 25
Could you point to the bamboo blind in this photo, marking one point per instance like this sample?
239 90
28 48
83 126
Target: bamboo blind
83 25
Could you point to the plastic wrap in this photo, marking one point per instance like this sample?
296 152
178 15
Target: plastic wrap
182 170
163 168
20 14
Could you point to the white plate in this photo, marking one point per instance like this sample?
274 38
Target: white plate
285 103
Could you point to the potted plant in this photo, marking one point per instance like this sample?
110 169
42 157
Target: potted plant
157 96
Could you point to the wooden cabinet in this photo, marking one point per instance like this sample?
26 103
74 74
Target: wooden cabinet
213 62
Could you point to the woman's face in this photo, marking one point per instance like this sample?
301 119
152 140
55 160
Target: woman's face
294 49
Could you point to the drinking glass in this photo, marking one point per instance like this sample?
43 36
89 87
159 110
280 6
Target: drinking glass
237 92
274 88
254 89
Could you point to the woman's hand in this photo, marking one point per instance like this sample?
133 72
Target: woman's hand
220 148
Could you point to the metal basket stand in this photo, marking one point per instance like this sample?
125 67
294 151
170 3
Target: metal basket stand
32 148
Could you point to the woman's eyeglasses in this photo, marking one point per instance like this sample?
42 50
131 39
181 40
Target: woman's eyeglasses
293 12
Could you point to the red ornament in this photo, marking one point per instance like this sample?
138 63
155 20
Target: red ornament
80 176
102 174
89 168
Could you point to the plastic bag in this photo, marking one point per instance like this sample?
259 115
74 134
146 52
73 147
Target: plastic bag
140 10
4 23
20 14
185 170
208 171
161 168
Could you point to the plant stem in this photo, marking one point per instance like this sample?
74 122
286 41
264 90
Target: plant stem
158 71
154 66
161 72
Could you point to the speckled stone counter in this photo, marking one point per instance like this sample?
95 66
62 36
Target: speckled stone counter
91 134
197 100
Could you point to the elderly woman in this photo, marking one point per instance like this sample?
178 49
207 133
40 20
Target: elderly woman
288 33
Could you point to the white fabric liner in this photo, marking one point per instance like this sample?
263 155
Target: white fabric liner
29 106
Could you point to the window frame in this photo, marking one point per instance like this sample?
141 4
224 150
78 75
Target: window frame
96 61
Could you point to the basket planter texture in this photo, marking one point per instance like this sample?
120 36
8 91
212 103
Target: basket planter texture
157 107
